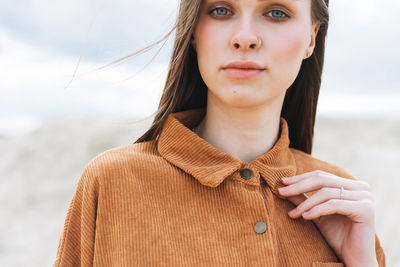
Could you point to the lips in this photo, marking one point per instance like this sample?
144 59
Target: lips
243 65
242 69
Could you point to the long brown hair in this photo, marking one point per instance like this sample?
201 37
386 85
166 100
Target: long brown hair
185 89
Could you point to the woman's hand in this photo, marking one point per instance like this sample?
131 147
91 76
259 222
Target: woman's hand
345 216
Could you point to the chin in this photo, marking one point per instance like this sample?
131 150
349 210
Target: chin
247 97
244 100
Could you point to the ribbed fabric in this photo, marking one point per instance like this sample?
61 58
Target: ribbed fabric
179 201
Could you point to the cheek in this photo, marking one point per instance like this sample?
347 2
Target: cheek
210 39
290 45
287 50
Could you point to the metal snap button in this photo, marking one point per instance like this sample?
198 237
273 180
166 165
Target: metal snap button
260 227
246 174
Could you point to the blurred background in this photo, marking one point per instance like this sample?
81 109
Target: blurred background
57 113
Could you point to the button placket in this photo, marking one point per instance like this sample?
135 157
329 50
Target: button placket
259 227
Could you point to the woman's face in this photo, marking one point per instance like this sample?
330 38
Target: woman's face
231 30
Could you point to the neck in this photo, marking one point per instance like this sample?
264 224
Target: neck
242 132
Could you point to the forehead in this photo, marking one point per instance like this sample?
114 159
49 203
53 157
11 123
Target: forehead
294 1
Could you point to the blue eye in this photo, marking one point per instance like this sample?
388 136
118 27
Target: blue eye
219 11
277 14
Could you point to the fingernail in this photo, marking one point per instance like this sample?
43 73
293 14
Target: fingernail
292 212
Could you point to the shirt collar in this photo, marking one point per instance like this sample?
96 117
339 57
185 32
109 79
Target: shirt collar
209 165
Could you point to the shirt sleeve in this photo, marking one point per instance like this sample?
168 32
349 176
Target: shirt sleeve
76 244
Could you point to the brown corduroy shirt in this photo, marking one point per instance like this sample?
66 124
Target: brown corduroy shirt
179 201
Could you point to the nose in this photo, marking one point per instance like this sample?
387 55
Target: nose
245 38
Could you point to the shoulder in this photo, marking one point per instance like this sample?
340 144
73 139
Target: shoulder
113 158
307 163
121 160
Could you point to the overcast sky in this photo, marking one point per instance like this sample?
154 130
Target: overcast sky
41 42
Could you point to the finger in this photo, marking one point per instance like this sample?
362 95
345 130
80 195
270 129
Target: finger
317 182
300 177
326 194
357 211
296 200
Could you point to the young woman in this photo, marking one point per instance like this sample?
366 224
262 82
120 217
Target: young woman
224 175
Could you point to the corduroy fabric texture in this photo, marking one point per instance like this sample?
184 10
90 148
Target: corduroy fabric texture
179 201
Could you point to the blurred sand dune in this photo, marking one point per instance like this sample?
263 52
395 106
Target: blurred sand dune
39 173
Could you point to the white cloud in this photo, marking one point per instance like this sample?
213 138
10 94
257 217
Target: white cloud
65 25
361 104
365 12
40 43
34 78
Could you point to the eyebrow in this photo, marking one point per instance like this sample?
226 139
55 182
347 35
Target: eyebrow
271 0
294 1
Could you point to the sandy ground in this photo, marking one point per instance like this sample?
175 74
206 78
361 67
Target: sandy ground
39 173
